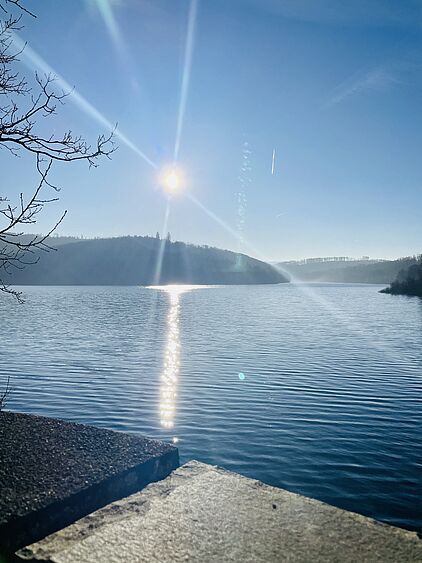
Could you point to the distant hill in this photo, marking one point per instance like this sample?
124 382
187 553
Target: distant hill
133 261
408 281
347 270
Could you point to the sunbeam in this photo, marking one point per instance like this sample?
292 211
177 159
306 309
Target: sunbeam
35 62
323 303
182 258
160 254
231 231
106 11
187 65
215 217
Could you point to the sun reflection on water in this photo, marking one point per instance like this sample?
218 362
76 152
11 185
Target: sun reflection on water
169 377
171 367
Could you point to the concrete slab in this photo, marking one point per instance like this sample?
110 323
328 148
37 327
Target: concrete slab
204 514
54 472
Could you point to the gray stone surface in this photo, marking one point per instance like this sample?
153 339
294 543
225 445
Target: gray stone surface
54 472
204 514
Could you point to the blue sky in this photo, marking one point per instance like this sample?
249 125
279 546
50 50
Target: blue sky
334 87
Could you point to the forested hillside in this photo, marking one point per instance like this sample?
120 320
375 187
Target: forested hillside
408 281
133 261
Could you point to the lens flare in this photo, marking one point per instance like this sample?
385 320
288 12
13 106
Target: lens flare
187 66
107 13
160 255
35 62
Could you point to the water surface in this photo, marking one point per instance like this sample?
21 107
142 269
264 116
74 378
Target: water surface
312 388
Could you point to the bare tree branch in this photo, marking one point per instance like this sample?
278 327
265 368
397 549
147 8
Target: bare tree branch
21 110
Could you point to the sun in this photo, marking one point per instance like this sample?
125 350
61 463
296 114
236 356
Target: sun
171 180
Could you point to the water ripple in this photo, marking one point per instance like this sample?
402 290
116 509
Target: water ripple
328 403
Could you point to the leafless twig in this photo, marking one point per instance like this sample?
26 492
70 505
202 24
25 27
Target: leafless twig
21 110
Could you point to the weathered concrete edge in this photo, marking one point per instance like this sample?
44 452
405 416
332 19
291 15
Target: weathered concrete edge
86 501
128 462
198 466
138 504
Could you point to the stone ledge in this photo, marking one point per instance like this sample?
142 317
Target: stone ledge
53 473
202 513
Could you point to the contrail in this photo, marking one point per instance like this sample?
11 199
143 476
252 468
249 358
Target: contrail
273 163
190 36
34 61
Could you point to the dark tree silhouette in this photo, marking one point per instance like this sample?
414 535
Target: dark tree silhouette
21 110
408 281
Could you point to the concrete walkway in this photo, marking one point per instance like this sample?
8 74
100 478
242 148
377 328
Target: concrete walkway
204 514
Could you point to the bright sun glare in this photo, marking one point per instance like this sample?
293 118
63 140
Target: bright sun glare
172 181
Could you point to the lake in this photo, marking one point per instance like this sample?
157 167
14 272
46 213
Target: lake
313 388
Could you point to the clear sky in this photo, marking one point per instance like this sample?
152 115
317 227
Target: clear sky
333 86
